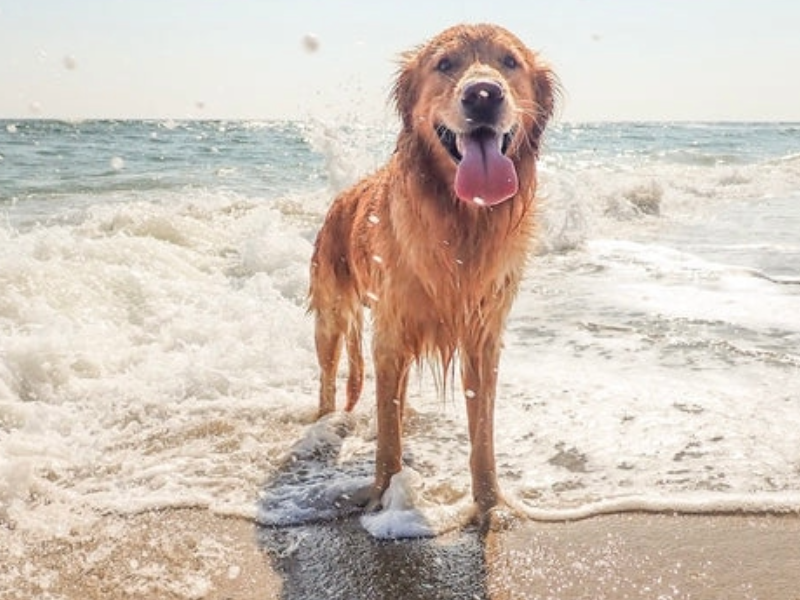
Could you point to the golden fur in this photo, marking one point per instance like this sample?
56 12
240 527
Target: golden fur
439 273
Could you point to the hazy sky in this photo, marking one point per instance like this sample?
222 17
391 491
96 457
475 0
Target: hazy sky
617 59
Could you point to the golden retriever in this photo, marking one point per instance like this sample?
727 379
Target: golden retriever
435 242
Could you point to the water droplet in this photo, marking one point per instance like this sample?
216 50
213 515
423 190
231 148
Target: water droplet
310 43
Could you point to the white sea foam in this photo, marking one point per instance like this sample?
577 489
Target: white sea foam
405 513
148 343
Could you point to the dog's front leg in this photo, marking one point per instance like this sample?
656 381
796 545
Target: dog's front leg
479 377
391 375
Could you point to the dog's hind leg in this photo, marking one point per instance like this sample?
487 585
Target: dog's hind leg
328 336
355 359
339 319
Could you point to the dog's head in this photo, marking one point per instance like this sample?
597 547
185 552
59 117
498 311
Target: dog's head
479 100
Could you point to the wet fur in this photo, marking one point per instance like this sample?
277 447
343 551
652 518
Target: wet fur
438 273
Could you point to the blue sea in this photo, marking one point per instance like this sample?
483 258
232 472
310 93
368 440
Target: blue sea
155 349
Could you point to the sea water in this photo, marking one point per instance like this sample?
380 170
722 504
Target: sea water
155 349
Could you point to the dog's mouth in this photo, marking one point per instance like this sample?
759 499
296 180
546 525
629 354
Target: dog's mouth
485 175
451 143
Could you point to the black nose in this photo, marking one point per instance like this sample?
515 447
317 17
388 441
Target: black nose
482 100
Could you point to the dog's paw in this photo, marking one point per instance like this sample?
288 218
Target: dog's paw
503 516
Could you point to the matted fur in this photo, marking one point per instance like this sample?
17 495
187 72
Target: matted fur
438 273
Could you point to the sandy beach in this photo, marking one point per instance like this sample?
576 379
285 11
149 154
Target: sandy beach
189 553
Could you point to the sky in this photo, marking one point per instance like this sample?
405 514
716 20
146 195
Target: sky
618 60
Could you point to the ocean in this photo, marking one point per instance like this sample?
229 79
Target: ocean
156 352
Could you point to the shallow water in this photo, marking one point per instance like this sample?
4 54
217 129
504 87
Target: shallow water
156 351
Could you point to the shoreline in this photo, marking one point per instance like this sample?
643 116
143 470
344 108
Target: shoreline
191 553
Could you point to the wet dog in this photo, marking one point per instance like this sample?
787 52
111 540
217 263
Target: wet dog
436 241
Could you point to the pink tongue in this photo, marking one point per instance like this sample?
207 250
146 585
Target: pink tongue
485 176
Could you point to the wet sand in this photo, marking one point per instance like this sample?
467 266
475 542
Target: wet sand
169 554
192 554
650 556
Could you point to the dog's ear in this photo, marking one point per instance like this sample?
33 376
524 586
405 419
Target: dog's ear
546 89
404 91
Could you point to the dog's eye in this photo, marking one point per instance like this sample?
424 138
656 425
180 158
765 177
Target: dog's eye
509 62
444 65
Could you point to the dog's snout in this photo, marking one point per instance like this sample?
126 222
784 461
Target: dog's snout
482 100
